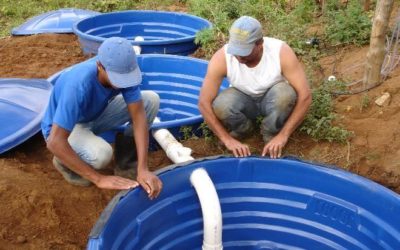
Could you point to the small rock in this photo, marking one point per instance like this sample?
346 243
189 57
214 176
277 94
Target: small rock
21 239
348 108
383 100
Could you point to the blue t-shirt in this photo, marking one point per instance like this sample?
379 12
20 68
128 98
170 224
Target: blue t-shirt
79 97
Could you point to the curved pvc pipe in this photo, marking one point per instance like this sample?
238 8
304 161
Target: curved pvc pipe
210 207
174 149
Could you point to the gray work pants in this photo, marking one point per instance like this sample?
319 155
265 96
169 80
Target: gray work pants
238 111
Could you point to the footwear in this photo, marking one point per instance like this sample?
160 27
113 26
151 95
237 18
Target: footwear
125 156
69 175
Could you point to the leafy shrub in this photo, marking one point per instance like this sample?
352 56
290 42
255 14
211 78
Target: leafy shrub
320 118
186 131
350 25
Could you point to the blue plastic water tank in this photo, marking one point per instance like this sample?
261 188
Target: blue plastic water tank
177 80
266 204
163 32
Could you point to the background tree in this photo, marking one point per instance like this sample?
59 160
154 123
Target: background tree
376 53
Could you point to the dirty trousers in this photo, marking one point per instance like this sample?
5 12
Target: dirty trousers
238 111
93 149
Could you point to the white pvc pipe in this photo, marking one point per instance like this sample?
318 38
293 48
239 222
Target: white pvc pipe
210 207
174 149
137 48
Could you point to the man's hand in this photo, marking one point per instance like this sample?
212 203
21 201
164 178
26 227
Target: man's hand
150 182
237 148
275 146
115 182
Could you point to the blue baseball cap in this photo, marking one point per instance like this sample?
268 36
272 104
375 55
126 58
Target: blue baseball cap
243 35
117 56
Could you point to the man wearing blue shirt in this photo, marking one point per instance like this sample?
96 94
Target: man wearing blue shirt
86 101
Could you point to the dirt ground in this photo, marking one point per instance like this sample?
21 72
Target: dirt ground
39 210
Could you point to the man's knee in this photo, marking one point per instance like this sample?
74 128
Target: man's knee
286 99
151 97
280 98
92 149
101 156
227 104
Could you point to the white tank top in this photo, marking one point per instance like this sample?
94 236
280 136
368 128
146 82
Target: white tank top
256 81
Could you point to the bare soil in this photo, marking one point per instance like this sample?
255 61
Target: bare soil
39 210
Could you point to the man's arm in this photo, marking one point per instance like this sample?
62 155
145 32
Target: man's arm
294 73
215 74
58 144
149 181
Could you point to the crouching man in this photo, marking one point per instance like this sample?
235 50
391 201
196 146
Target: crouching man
94 97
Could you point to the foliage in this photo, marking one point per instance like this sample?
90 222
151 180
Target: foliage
319 122
288 25
207 133
187 132
208 40
350 25
365 101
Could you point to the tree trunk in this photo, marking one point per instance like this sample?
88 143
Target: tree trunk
376 53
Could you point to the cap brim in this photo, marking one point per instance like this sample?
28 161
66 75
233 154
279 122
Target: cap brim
240 50
127 80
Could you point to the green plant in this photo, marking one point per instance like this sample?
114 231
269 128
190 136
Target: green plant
365 101
350 25
105 5
288 26
187 132
208 135
305 11
208 39
319 122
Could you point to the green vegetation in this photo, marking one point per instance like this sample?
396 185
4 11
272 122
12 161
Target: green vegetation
350 25
292 21
365 101
319 122
207 133
186 131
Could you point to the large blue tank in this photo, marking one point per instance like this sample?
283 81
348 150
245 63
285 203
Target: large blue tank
266 204
177 80
163 32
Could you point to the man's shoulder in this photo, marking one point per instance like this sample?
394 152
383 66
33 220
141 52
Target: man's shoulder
77 80
272 41
83 71
218 62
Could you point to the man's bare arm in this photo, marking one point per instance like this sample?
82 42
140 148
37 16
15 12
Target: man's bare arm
215 74
294 73
149 181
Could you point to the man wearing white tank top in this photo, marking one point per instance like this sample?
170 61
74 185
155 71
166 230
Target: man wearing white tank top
266 79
